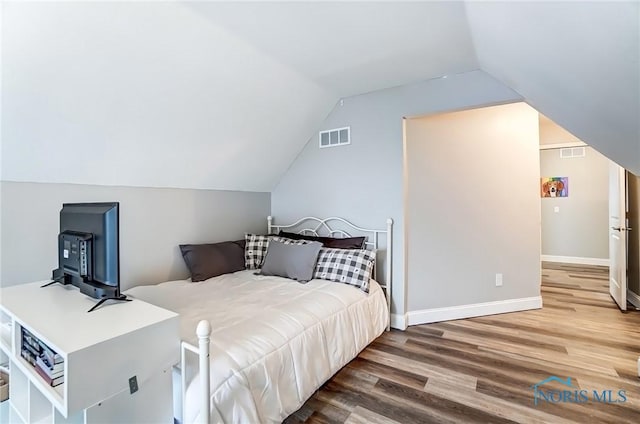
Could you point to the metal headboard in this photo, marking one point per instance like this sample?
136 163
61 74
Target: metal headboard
311 225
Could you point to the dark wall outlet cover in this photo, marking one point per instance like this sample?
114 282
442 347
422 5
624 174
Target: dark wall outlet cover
133 384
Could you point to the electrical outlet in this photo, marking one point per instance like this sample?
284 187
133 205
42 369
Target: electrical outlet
133 384
498 280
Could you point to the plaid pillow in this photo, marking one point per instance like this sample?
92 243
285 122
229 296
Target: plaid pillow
351 267
256 246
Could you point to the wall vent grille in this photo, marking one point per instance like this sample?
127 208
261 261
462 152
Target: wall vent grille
572 152
335 137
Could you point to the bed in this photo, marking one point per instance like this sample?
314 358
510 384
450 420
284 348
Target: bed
273 341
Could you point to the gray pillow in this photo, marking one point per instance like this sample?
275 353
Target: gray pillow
210 260
295 261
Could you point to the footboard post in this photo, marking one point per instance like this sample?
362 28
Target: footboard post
204 332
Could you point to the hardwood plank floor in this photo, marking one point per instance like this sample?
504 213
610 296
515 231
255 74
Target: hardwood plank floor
481 370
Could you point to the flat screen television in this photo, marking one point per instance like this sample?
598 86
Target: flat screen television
88 250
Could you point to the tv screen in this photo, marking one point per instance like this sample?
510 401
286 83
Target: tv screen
88 249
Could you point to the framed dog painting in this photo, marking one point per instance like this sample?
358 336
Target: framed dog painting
554 186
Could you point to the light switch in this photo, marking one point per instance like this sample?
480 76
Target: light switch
556 209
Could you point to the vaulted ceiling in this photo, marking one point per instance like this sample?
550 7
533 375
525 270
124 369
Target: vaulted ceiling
355 47
224 95
576 62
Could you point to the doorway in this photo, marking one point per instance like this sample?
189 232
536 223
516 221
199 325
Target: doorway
633 240
576 227
574 218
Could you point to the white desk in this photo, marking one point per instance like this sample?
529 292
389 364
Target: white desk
101 350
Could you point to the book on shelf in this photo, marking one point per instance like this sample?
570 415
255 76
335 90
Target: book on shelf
53 371
30 341
52 357
33 352
50 381
28 356
48 364
30 348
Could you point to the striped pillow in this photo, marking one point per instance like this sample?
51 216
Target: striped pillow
348 266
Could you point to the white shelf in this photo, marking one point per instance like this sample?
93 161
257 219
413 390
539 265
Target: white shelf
4 412
19 392
15 417
6 325
5 347
55 394
101 351
45 420
4 359
40 409
51 312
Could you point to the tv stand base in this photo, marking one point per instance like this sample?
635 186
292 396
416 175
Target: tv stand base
50 283
121 298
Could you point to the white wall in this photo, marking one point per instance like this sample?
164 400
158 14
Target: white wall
153 222
579 229
472 207
552 133
363 181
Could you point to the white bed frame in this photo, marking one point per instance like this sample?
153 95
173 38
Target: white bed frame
339 227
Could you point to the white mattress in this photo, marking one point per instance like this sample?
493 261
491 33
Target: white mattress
274 342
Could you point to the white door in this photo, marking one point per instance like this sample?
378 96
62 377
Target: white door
618 235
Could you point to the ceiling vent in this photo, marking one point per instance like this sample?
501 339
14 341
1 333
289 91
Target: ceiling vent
335 137
572 152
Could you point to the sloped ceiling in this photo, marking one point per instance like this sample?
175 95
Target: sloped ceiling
224 95
146 94
356 47
196 94
576 62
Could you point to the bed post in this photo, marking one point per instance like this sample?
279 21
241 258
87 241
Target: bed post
204 332
269 222
389 259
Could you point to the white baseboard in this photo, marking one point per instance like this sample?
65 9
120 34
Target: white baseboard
399 322
426 316
575 260
633 298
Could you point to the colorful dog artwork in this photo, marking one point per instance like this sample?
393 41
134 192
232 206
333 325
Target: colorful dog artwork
554 186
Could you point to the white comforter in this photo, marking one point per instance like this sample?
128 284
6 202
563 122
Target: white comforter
275 341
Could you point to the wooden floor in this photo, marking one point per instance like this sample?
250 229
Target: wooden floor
483 369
